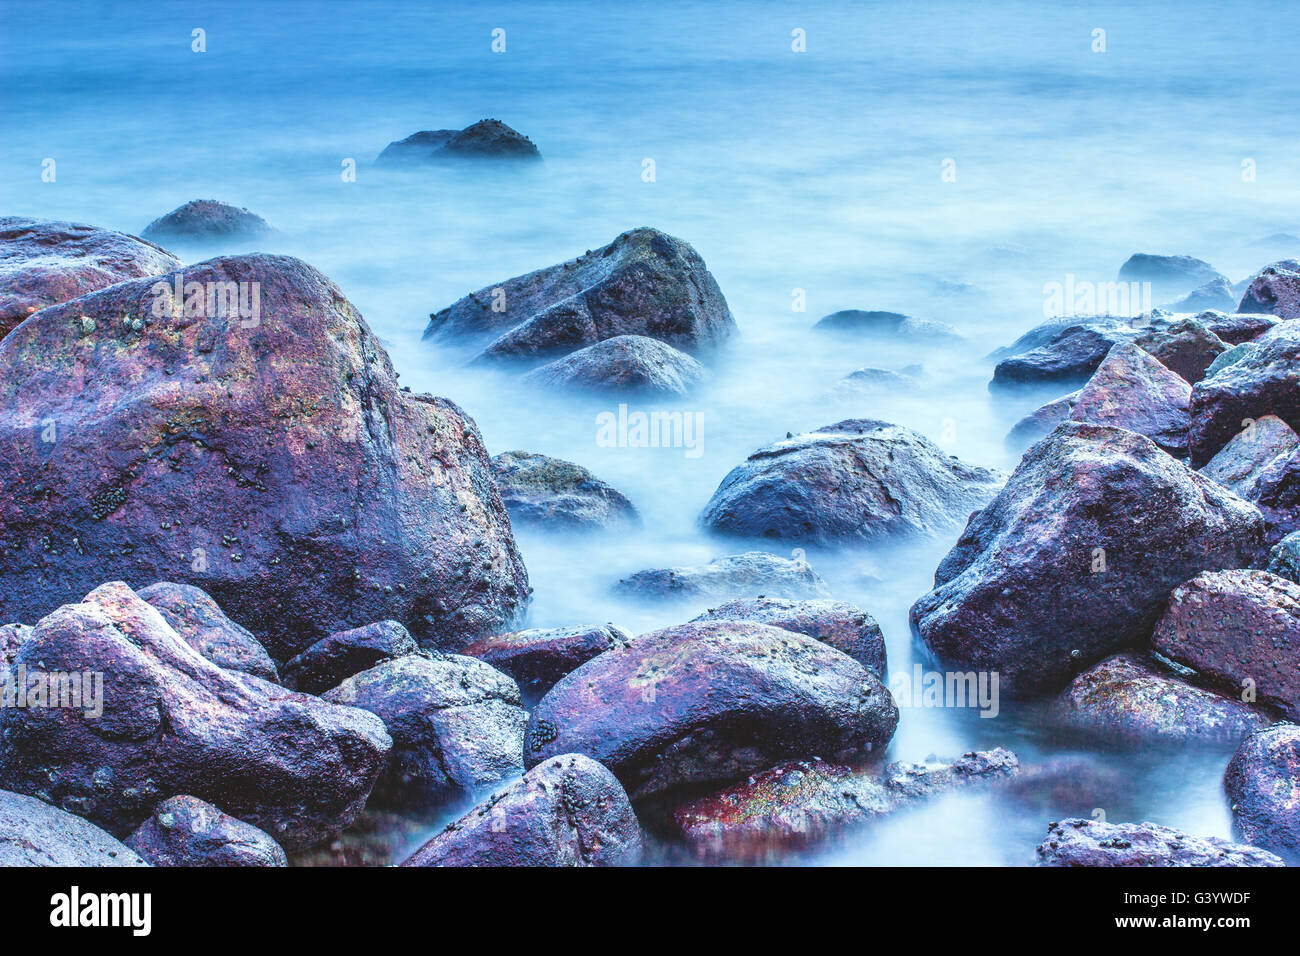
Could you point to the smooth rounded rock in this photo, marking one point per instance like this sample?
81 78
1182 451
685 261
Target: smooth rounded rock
186 831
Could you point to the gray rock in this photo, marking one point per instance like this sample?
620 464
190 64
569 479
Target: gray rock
1093 843
1040 423
1215 294
333 659
1168 275
488 139
632 364
204 626
752 574
186 831
207 219
1261 782
1132 390
1284 558
1240 464
857 323
33 833
558 495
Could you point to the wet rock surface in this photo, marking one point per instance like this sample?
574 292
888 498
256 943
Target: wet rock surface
566 811
204 626
1051 578
488 139
867 324
1093 843
558 495
1284 558
752 574
1063 352
1245 459
33 833
207 219
330 661
1184 346
625 364
858 480
1234 328
1275 291
538 657
708 702
186 831
1131 390
1039 423
1263 785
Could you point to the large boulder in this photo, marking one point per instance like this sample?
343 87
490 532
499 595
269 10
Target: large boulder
1168 275
1275 291
207 220
1132 390
1245 459
267 456
43 263
1060 352
626 364
538 657
558 495
174 723
844 627
488 139
456 723
566 811
1185 346
186 831
858 480
333 659
1074 559
709 702
643 283
1263 784
1239 629
204 626
752 574
864 324
1094 843
33 833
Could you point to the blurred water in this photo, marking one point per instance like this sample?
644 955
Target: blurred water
818 171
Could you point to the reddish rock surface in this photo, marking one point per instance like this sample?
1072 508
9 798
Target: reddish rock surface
203 626
1132 390
538 657
1275 291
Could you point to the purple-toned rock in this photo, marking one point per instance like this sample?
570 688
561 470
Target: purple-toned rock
1283 559
643 283
538 657
1185 346
867 324
270 459
1069 785
186 831
629 364
752 574
846 628
1093 843
1131 700
207 220
1275 291
708 702
1132 390
456 724
1060 352
33 833
203 626
1240 464
12 637
1262 781
1168 275
558 495
488 139
1040 423
1240 630
1234 328
855 481
330 661
1075 558
43 263
163 720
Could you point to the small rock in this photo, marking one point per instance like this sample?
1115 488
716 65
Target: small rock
1093 843
1040 423
538 657
626 364
186 831
207 219
558 495
330 661
488 139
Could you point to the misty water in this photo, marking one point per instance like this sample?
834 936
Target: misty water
818 171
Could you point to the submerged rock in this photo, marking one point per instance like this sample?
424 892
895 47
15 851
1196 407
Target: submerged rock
752 574
43 263
488 139
566 811
1261 781
207 219
174 723
1242 462
1186 347
1275 291
1168 275
643 283
33 833
708 702
1060 352
1215 294
1093 843
858 480
1039 423
631 364
272 461
874 324
537 658
872 380
204 626
1132 390
186 831
330 661
558 495
1052 577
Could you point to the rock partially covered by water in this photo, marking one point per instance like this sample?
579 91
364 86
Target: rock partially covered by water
844 627
175 723
1261 782
488 139
752 574
1215 294
625 364
566 811
1239 629
206 220
1185 346
204 626
1093 843
186 831
1132 700
1132 390
645 282
538 657
330 661
1052 576
869 381
708 702
33 833
271 460
456 723
1275 291
558 495
857 323
1039 423
1168 275
1061 352
43 263
858 480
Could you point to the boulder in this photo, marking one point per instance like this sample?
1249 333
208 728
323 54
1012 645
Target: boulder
488 139
1275 291
558 495
566 811
174 723
272 461
1235 328
1039 423
631 364
33 833
330 661
1240 630
1215 294
1230 357
538 657
456 724
709 702
12 637
203 626
207 220
848 629
1284 558
860 324
43 263
1131 700
857 480
186 831
1185 346
1132 390
752 574
643 283
1060 352
1262 781
1168 275
1093 843
1075 558
1240 464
